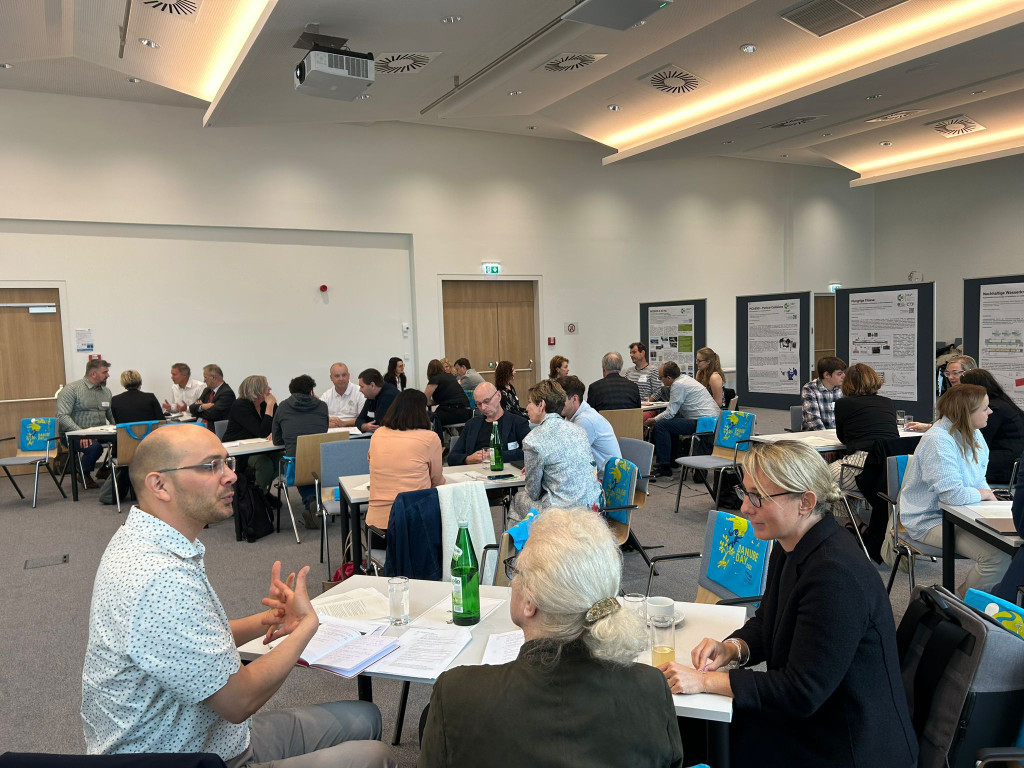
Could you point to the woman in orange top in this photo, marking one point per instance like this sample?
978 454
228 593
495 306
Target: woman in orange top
405 455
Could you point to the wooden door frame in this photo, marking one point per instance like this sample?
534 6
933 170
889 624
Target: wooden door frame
538 307
67 336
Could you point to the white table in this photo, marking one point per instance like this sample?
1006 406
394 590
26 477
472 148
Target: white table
355 492
658 405
250 446
700 621
966 517
821 440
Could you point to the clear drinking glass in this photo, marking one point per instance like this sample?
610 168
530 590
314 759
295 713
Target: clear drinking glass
901 419
909 418
663 639
398 601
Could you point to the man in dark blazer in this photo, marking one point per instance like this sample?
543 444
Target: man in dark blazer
473 445
379 395
216 400
613 391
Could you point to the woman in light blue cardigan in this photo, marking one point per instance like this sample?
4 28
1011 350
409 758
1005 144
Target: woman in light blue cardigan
949 467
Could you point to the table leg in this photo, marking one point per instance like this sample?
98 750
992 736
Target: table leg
718 744
73 447
357 541
364 685
948 554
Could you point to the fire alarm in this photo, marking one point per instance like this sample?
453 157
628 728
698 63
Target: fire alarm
551 341
323 289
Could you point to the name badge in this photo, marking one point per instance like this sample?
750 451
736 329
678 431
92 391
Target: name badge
513 445
370 414
104 405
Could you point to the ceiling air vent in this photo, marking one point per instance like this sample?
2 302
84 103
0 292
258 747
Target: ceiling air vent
958 125
793 122
174 7
402 63
820 17
895 116
673 80
567 62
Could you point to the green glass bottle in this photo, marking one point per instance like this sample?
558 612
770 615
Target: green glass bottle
465 580
497 463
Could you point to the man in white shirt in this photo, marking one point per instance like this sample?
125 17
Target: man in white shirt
184 389
344 400
603 442
689 401
162 671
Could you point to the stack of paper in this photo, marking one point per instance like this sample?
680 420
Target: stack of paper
362 604
503 648
424 653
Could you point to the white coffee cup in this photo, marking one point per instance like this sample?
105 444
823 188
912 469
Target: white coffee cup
660 606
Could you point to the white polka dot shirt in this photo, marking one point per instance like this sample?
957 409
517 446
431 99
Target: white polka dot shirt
159 645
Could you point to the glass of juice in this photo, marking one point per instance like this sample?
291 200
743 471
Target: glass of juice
663 639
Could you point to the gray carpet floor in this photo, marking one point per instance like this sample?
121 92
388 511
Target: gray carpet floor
46 620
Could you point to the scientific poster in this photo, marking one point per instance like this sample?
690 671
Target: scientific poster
1000 342
883 334
773 340
670 336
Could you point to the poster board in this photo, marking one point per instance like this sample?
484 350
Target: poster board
994 329
892 329
774 347
674 330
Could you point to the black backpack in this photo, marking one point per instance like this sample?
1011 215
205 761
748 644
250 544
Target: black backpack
255 514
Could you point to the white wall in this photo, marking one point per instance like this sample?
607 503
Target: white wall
601 239
949 225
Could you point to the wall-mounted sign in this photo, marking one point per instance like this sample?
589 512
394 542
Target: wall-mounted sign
491 267
571 329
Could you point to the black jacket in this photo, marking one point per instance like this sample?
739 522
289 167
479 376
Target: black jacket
298 415
221 405
133 405
245 421
1004 435
612 393
832 694
533 714
514 428
374 410
863 419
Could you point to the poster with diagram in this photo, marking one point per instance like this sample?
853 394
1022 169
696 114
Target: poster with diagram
883 334
670 335
773 341
1001 336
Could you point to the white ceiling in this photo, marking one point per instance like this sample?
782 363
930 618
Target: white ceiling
234 60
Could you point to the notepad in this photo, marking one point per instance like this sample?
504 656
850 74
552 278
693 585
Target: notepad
503 647
337 647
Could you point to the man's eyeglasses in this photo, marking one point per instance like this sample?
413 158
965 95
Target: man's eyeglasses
215 467
510 567
756 498
486 400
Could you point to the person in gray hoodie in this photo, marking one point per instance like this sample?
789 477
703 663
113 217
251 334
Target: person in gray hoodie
301 414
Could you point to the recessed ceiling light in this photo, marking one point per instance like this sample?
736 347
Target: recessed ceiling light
783 155
727 142
978 93
827 134
532 127
748 48
134 80
451 19
872 97
885 143
614 107
364 96
5 65
515 93
149 43
639 24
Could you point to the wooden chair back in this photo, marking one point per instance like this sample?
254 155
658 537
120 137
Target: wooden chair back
129 436
506 549
307 454
626 422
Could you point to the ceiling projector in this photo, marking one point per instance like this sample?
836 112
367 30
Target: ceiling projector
334 74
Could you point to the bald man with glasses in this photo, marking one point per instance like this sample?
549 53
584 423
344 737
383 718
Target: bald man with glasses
162 671
474 443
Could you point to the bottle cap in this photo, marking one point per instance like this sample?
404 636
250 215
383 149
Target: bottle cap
463 523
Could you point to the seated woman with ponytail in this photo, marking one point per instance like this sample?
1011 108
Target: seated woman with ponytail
831 694
574 695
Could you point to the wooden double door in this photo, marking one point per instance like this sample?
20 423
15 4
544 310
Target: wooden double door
487 321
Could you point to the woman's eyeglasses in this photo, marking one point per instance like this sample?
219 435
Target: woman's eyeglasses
756 498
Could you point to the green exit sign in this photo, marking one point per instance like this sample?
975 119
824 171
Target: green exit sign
492 268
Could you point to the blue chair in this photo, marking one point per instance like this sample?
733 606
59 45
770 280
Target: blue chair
129 435
732 437
735 564
337 459
618 500
36 435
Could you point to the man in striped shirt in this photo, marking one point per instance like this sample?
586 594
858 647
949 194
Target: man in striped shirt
86 403
643 374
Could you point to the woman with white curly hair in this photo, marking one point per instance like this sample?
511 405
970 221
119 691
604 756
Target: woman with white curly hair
574 696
